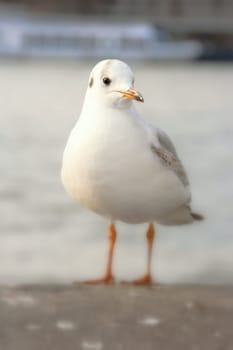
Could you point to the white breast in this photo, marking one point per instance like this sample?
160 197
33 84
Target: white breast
108 167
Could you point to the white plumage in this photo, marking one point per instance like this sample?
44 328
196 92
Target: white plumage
110 164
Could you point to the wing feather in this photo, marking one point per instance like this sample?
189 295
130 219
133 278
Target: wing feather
168 156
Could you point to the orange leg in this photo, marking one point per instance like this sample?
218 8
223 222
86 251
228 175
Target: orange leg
108 276
147 278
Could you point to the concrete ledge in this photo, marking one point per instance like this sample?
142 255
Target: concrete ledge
116 317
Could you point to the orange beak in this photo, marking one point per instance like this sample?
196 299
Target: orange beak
132 94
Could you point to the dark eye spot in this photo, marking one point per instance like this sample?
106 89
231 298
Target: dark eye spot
106 81
91 82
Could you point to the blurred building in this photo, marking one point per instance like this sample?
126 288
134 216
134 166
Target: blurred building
180 15
209 21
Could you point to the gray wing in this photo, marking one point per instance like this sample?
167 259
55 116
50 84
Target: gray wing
168 156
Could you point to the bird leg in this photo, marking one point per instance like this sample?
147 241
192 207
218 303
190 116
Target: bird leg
108 276
147 278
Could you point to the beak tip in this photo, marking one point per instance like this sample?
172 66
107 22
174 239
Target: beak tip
140 99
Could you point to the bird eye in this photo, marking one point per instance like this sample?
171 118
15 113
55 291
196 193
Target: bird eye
106 81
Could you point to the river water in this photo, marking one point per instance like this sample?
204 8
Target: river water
46 237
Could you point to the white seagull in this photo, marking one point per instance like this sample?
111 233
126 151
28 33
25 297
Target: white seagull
122 167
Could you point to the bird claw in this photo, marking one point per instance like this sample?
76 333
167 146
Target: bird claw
109 279
145 280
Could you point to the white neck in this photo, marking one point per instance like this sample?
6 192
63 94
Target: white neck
92 107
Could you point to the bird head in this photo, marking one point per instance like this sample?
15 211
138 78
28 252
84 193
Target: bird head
112 82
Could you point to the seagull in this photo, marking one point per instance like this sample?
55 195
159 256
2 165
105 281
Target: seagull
122 167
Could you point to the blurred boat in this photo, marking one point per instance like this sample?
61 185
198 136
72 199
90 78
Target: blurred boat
214 53
25 36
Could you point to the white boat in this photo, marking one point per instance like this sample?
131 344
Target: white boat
25 36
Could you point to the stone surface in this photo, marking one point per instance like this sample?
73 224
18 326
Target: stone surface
116 317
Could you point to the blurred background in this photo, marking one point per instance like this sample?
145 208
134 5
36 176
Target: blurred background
181 52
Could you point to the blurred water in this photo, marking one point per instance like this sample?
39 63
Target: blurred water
45 237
